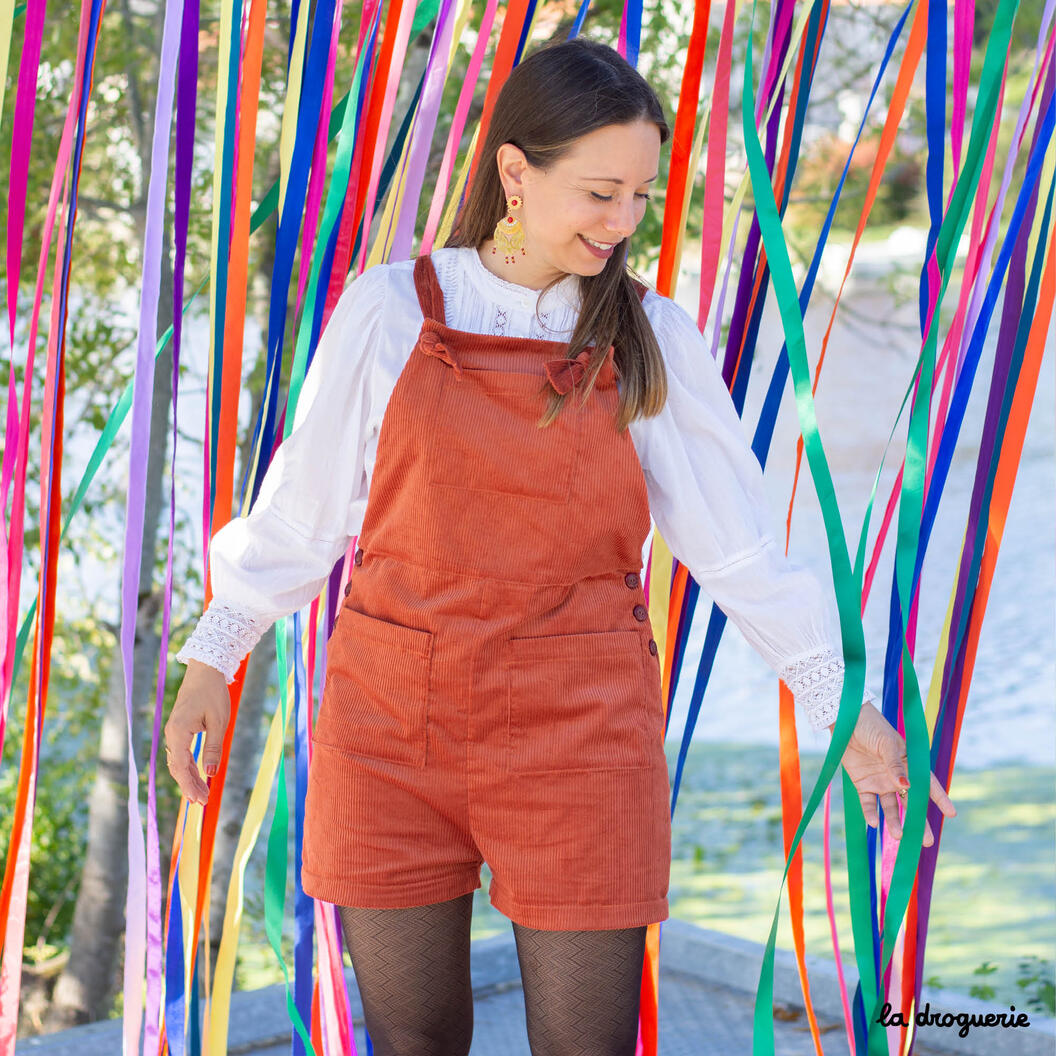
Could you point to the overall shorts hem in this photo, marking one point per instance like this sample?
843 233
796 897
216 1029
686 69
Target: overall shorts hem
341 891
578 916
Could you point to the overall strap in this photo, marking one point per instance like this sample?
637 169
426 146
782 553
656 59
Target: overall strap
427 285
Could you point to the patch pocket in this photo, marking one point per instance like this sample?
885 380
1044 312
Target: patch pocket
577 702
491 439
376 693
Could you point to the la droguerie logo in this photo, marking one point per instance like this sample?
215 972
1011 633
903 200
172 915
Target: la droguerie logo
964 1020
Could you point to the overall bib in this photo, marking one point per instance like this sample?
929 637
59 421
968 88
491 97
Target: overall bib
492 688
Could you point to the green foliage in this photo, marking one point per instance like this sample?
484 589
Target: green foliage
983 990
80 662
1025 28
1038 982
898 198
1035 977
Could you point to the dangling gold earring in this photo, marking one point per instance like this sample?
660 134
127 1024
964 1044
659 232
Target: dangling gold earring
509 233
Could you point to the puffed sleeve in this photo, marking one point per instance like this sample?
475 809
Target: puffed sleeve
707 497
312 498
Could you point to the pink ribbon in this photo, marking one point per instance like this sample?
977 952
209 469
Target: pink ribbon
457 125
11 967
422 129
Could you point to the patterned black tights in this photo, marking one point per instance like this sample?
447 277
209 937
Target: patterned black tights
581 988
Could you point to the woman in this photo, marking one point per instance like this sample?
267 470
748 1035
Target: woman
497 421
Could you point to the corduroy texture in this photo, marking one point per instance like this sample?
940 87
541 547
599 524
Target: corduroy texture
491 690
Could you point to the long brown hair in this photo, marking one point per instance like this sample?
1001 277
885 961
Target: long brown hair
557 94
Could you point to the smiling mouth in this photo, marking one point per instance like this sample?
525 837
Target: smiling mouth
598 245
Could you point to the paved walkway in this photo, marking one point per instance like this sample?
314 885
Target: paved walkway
708 982
696 1019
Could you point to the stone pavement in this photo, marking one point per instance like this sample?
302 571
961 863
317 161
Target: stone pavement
696 1019
708 982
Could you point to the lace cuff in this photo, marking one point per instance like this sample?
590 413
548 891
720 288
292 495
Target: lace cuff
816 682
222 638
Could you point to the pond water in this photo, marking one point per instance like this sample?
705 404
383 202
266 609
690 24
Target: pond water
991 921
1010 712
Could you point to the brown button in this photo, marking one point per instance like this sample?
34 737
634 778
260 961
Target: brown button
652 646
641 612
632 580
358 557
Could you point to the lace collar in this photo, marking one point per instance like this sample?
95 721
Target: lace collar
565 293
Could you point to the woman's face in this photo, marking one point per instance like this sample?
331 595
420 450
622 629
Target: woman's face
597 191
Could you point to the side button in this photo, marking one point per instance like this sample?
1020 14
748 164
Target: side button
652 646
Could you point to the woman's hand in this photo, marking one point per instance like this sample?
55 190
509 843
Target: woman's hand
876 761
202 705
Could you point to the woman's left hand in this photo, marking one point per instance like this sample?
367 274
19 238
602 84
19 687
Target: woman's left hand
876 762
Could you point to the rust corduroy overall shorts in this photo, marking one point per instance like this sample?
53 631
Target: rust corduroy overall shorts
492 689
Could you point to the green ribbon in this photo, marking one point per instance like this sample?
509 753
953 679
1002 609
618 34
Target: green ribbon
847 586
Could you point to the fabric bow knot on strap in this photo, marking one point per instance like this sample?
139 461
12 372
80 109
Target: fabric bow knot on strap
565 374
430 343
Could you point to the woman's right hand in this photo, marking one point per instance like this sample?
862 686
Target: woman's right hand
203 705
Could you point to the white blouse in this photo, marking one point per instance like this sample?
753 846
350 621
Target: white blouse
705 486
